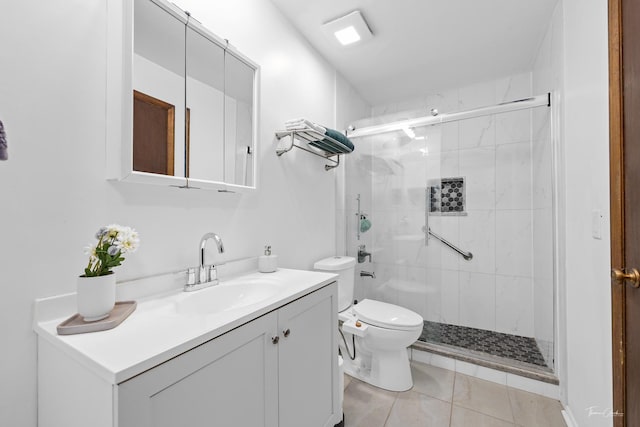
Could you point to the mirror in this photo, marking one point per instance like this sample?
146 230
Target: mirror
183 99
205 107
158 91
238 135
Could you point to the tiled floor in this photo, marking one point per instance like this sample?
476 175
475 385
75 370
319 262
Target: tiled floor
442 398
522 349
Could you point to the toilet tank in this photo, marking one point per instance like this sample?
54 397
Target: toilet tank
344 266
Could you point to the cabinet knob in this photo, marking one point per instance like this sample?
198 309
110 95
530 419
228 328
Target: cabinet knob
275 339
286 332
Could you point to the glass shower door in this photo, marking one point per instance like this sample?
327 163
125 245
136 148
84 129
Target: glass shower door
483 185
390 178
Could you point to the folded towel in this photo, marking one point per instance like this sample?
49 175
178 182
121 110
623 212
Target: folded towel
341 138
302 124
317 139
315 127
4 155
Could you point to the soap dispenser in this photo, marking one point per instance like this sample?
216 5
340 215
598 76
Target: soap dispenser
267 263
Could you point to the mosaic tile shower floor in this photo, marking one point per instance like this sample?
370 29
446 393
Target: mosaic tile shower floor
522 349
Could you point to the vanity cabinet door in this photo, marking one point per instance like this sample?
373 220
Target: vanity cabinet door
228 381
308 380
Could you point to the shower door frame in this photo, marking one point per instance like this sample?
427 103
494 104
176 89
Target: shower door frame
547 99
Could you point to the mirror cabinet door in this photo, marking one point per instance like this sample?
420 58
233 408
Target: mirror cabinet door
185 99
158 90
238 130
205 107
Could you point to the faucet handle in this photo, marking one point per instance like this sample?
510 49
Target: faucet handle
213 273
191 276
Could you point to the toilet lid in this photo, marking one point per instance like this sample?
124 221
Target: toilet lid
385 315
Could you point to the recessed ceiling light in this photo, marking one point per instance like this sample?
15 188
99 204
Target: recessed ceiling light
348 29
347 35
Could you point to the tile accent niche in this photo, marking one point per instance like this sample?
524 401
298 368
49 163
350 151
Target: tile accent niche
446 196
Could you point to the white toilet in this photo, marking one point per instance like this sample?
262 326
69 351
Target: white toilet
382 332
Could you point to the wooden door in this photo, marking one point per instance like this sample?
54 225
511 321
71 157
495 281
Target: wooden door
153 134
624 63
308 361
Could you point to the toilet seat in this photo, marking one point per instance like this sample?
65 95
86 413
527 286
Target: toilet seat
388 316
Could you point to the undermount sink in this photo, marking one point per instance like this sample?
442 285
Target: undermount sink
227 296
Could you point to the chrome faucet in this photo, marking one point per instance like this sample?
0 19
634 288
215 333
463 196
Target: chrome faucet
207 274
367 274
363 254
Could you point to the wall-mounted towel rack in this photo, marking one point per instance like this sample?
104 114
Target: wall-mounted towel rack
315 143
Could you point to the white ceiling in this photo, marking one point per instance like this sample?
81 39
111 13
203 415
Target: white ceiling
423 46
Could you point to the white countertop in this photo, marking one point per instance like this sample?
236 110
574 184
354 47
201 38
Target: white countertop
155 332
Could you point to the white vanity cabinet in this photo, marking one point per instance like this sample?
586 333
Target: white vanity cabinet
279 369
308 362
231 380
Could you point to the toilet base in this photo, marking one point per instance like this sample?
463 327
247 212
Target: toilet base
388 370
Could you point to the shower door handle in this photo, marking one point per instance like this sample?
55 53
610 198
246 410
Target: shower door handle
427 197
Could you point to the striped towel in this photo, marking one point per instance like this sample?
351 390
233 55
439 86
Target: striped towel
4 155
344 146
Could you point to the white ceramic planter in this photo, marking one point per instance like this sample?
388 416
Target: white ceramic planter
96 296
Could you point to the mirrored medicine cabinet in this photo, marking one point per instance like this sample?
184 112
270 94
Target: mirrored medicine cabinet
182 104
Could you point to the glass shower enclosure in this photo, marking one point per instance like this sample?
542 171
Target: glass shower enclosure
457 213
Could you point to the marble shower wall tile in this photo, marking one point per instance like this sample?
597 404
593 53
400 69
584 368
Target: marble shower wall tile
477 166
477 132
543 295
513 176
444 102
478 236
450 136
513 87
450 297
477 300
542 172
513 243
412 290
514 126
477 95
514 305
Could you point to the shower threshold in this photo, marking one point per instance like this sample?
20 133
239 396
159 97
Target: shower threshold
503 352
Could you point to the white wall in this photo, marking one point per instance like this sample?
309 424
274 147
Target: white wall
54 195
586 262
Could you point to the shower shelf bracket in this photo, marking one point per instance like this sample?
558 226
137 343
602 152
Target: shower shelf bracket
305 140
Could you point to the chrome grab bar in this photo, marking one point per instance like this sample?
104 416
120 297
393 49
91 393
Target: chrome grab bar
466 255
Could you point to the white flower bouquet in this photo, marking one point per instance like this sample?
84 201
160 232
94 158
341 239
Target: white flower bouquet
113 241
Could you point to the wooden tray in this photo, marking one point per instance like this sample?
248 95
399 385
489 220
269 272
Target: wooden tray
76 324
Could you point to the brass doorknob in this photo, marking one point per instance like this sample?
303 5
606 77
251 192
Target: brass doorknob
630 274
